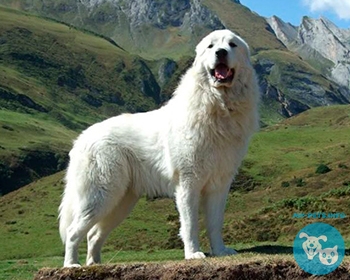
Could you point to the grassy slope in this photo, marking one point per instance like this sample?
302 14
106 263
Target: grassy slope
67 71
26 141
55 80
252 27
22 131
285 152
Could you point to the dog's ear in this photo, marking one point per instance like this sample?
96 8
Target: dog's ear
303 234
244 49
322 237
200 49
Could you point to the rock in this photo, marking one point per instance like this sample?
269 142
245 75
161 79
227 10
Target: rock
285 32
318 41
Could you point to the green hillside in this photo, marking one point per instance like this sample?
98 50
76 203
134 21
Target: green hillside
252 27
76 77
278 179
55 81
31 146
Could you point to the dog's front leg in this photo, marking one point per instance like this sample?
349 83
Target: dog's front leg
214 206
187 201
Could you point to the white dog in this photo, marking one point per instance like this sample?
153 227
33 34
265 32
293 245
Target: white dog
190 148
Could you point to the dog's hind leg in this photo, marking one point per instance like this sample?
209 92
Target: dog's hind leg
79 227
87 211
98 234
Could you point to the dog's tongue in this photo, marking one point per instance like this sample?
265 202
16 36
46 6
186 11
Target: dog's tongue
222 71
311 251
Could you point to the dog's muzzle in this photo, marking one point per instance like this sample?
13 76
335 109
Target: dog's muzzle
222 73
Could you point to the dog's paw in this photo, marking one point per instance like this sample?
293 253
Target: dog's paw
225 252
196 255
72 265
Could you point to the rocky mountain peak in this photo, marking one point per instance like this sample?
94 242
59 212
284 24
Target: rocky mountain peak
317 39
324 37
160 13
285 32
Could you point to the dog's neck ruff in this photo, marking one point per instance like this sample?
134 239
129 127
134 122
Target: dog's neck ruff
212 102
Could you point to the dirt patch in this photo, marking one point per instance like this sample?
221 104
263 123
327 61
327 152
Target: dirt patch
205 269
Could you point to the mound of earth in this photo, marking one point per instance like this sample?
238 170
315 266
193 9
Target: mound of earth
256 269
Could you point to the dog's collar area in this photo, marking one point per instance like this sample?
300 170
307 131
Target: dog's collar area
222 73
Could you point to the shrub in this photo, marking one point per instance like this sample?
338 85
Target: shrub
285 184
322 169
301 203
300 182
342 166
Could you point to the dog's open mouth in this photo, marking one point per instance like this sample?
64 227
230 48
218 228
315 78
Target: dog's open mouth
311 251
222 73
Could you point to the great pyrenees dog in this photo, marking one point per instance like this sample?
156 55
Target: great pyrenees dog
190 148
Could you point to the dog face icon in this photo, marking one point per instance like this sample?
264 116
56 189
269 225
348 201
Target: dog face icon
312 245
329 256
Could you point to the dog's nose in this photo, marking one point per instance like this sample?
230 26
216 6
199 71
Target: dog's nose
221 53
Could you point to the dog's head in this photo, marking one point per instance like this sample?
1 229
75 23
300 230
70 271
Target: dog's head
220 56
312 244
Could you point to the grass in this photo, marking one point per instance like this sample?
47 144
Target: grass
27 141
245 23
39 130
67 72
288 152
300 143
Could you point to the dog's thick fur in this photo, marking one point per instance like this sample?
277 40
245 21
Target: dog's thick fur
190 148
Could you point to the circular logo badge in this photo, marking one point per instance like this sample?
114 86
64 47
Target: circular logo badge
319 248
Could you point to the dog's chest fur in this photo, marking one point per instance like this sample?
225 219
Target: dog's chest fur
211 140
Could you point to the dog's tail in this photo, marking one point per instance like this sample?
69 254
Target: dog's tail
65 214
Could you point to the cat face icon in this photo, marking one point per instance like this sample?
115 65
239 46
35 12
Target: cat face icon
328 256
312 245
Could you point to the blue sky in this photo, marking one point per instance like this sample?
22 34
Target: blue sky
338 11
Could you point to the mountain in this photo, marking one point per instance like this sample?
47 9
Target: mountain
321 43
74 63
152 29
168 31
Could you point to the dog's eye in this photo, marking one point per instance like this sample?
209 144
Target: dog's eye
232 45
210 46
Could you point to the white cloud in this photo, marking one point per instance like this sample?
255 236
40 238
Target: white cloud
340 7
